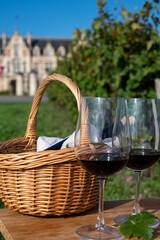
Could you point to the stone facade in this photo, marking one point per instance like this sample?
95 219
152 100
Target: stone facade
26 61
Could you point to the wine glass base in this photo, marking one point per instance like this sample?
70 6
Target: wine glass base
124 217
121 219
156 224
91 232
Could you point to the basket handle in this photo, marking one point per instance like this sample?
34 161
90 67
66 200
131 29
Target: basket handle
32 120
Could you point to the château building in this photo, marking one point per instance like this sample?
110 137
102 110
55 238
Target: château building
24 62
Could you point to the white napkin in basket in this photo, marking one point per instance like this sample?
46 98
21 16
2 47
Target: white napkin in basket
47 143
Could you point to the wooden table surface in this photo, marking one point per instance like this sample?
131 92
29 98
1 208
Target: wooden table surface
15 226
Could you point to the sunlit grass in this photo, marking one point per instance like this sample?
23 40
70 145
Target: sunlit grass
51 120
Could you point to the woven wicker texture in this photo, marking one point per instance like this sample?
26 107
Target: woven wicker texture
45 183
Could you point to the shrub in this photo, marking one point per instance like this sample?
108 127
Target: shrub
114 58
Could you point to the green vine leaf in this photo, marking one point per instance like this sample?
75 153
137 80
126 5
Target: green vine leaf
138 226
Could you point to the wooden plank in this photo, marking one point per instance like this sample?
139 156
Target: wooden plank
15 226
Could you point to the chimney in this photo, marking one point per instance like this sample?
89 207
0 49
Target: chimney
4 39
29 38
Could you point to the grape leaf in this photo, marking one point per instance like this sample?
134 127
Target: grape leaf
138 226
126 229
143 232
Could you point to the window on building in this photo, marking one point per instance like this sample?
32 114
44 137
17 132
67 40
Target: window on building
48 51
62 51
36 51
16 50
8 67
24 67
16 65
49 67
36 67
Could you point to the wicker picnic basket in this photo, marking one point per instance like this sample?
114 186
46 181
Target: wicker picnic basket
45 183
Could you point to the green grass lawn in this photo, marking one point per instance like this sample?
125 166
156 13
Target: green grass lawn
51 120
57 121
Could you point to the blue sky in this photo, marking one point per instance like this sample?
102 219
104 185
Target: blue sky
53 18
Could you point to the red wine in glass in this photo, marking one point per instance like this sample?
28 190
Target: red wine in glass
102 165
142 158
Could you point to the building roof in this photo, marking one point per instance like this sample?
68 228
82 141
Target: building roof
55 42
41 42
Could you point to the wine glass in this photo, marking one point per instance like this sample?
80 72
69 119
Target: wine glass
102 148
145 143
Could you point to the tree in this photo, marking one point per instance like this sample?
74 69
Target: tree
114 58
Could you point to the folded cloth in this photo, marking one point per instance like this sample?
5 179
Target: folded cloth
111 142
55 143
69 141
45 143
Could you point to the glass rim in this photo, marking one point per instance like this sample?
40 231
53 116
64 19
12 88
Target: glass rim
147 99
103 97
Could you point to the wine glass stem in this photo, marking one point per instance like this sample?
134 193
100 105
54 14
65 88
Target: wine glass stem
136 208
100 219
